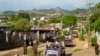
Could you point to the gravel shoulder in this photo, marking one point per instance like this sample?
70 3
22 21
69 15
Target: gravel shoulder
85 52
83 45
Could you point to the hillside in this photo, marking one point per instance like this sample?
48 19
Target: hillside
43 12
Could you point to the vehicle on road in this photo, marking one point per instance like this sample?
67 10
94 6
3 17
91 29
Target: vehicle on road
55 50
68 41
74 33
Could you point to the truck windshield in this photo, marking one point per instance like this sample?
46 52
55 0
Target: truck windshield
52 55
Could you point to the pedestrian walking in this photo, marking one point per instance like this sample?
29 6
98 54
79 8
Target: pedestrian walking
97 45
25 48
35 48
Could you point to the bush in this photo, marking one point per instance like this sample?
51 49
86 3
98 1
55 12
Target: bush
65 32
77 49
40 52
60 38
93 40
82 37
31 54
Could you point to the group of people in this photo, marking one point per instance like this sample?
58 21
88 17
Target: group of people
54 45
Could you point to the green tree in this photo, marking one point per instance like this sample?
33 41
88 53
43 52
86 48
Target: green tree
96 24
35 22
69 20
54 20
98 5
22 25
24 15
95 19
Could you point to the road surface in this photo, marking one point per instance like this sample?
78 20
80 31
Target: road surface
11 52
68 51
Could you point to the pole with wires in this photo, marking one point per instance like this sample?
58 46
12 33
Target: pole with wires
89 14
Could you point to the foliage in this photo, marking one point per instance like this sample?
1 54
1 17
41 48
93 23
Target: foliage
31 54
98 5
94 20
12 26
94 17
82 37
54 20
23 23
96 24
24 15
65 32
77 49
41 24
35 22
20 24
60 38
93 40
69 20
40 52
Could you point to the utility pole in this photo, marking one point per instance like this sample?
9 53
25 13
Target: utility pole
89 14
81 15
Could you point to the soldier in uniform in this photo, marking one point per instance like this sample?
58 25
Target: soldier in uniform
25 48
97 45
35 48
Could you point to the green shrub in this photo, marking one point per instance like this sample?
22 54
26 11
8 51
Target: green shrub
77 49
60 38
31 54
65 32
82 37
93 40
40 52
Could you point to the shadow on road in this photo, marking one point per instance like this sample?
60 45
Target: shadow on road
70 54
71 46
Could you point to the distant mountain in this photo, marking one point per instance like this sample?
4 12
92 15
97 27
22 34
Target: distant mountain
78 10
43 12
51 11
9 13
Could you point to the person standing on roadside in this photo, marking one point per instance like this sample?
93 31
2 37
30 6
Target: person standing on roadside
35 47
97 45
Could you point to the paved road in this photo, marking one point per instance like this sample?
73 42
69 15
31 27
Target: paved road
14 51
69 51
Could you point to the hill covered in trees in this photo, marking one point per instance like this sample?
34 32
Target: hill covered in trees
43 12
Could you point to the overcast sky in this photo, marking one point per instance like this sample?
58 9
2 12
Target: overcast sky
42 4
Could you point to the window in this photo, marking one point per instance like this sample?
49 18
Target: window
52 55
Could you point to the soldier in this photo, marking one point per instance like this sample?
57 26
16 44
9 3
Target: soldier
35 48
97 45
25 48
